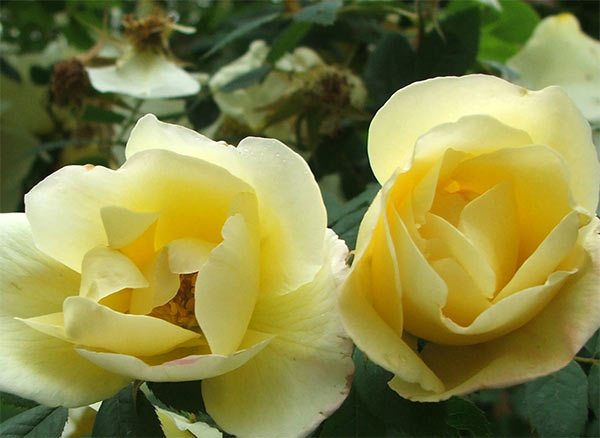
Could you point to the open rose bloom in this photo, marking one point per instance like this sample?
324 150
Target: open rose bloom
194 260
483 240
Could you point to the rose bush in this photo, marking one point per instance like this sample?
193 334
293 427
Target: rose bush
477 264
194 260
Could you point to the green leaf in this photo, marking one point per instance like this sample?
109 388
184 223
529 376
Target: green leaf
346 220
413 419
557 404
463 415
592 346
593 429
287 40
594 389
503 36
125 416
182 396
101 115
241 31
389 67
353 419
77 35
323 13
11 405
9 71
249 78
40 75
453 51
41 421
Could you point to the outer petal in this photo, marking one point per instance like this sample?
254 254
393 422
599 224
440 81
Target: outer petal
291 226
32 364
180 365
544 345
559 53
145 75
302 376
548 116
66 209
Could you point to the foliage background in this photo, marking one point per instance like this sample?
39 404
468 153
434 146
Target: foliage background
388 44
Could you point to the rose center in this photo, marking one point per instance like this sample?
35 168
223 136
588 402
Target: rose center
180 309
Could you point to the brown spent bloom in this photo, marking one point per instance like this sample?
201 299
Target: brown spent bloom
69 82
151 32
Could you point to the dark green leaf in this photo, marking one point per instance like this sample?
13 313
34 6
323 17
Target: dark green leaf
249 78
453 51
241 31
201 111
389 67
182 396
124 416
41 421
40 75
557 404
346 220
463 415
288 40
77 35
592 429
11 405
594 389
414 419
15 400
353 419
592 346
8 70
101 115
323 13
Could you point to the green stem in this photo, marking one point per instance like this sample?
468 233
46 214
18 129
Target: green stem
587 360
132 117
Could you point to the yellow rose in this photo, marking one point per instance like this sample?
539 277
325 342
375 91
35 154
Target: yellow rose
194 260
482 241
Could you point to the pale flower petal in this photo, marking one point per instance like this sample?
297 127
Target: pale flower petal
227 286
559 53
187 363
292 226
32 364
548 116
145 75
302 376
94 325
544 345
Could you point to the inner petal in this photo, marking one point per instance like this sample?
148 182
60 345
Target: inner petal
541 188
490 222
94 325
444 240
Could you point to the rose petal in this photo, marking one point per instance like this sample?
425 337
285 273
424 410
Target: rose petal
227 286
548 116
559 53
302 376
105 271
94 325
145 75
544 345
64 210
163 285
177 367
291 248
188 255
32 364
